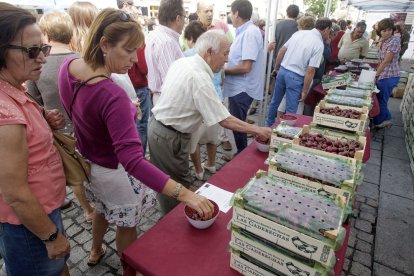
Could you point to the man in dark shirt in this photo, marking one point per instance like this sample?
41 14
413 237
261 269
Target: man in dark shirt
286 28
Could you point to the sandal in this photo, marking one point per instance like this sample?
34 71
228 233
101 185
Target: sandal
89 217
101 255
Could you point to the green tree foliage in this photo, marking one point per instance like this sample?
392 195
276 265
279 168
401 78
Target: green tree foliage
317 7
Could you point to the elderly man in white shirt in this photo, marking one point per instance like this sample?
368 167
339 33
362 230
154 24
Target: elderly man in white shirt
296 64
188 98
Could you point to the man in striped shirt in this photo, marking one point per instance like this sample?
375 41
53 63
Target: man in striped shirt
188 98
162 44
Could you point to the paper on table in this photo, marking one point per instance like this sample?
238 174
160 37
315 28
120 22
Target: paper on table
218 195
367 76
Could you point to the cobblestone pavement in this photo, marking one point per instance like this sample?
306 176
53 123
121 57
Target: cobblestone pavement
381 239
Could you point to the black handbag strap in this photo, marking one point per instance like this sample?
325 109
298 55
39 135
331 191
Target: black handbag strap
77 87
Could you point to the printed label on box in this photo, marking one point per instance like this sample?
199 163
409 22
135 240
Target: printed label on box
271 256
283 236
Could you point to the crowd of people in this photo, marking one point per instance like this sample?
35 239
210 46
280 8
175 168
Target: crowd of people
122 90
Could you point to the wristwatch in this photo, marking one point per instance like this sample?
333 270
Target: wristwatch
52 237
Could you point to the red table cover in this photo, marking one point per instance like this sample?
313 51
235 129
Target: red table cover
174 247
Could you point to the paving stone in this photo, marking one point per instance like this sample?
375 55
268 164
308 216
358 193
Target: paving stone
87 246
372 174
396 177
355 213
368 209
77 254
372 202
375 157
97 270
396 131
110 236
351 241
394 107
73 230
349 252
83 237
395 148
363 225
363 258
113 261
359 269
365 237
75 272
72 212
67 223
347 264
364 246
360 198
368 217
376 145
368 190
380 270
394 239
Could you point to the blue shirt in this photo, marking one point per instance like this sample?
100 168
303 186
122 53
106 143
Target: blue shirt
216 77
248 45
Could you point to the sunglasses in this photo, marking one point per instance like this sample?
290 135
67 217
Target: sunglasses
33 52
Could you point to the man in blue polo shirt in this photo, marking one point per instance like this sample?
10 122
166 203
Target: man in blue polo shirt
295 65
245 69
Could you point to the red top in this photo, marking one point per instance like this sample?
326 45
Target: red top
138 72
334 45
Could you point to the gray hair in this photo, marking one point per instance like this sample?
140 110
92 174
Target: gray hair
361 25
210 39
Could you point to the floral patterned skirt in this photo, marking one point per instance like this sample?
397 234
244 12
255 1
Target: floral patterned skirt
122 199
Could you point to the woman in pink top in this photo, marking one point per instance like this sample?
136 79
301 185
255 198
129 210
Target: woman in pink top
104 119
32 181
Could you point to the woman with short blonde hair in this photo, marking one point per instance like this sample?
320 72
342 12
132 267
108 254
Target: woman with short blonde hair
82 14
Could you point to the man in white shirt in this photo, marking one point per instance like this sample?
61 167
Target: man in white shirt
162 44
188 98
296 64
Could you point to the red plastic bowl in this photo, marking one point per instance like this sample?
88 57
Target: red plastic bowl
194 218
288 119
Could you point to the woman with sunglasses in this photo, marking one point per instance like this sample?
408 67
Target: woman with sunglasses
103 118
32 180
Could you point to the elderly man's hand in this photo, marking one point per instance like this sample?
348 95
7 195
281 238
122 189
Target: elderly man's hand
55 119
264 133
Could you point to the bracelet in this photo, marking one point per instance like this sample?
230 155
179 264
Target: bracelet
177 191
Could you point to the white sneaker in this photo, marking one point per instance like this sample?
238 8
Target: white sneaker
210 169
199 176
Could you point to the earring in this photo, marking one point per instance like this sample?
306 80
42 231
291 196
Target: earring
104 54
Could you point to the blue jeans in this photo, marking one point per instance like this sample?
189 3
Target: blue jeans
238 106
25 254
385 87
289 83
144 97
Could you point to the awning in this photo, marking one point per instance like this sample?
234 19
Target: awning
383 6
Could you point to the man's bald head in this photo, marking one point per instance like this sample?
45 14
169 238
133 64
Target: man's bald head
205 12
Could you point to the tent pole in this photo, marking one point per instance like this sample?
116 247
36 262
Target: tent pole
263 104
328 6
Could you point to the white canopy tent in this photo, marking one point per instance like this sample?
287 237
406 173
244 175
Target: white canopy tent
383 5
58 4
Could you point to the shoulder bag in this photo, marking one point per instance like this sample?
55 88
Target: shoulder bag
77 168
